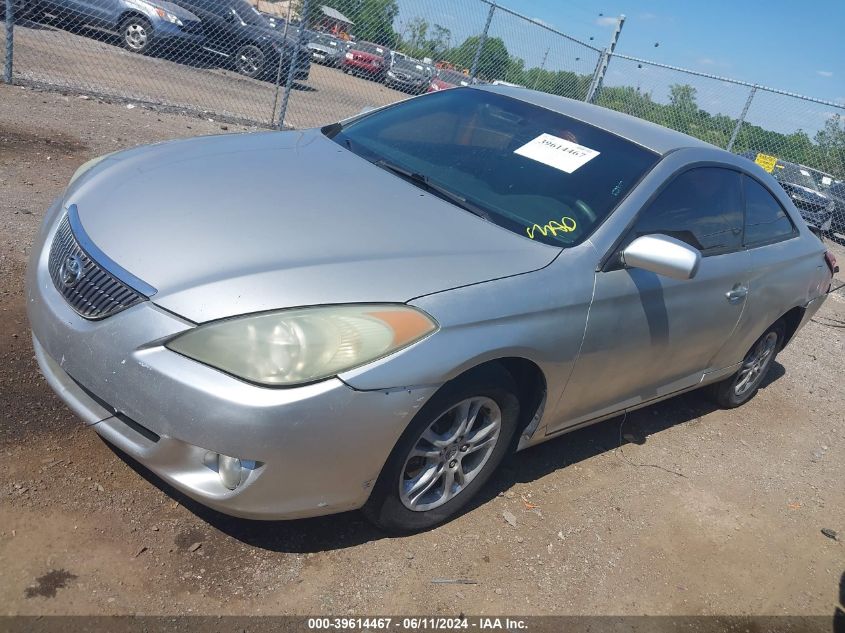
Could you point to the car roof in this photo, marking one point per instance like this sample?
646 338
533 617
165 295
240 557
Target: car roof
649 135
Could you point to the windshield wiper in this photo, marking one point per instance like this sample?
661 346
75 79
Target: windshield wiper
424 182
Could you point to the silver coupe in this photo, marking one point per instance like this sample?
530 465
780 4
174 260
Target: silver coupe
434 284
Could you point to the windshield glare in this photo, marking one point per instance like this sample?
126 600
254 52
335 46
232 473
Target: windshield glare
538 173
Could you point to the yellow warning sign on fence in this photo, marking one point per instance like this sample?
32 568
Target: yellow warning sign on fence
766 162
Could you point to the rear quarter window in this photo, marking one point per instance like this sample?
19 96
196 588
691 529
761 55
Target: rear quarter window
766 221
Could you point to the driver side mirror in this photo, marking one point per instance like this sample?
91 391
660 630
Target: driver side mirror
662 255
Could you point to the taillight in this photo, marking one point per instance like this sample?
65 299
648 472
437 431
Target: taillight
830 260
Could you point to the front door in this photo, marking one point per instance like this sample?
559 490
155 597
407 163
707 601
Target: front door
649 335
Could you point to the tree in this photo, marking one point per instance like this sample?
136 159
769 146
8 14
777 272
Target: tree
493 62
373 18
831 142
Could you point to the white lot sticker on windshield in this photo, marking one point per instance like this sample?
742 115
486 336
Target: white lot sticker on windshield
557 152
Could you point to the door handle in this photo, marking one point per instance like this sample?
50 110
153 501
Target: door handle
737 293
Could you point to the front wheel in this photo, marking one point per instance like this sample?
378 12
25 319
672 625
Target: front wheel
741 387
136 34
447 453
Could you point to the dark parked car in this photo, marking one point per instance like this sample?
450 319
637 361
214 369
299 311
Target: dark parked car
815 207
141 24
241 36
367 59
327 50
408 75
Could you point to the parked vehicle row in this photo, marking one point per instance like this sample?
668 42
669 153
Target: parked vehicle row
810 191
230 31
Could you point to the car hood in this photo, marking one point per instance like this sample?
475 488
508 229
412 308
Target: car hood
322 48
228 225
413 75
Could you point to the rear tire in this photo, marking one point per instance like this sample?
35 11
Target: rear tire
426 482
743 385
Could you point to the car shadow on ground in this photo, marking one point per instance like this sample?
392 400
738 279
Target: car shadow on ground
350 528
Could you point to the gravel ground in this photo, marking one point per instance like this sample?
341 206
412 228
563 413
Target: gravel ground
715 512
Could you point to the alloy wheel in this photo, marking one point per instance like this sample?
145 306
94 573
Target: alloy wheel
755 364
450 453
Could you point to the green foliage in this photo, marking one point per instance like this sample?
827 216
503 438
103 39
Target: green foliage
493 59
419 40
373 18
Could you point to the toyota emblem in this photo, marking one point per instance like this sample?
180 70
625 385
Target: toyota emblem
70 272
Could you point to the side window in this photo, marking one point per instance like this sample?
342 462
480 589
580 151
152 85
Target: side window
702 207
765 219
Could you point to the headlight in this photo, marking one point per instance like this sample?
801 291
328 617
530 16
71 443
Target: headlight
292 347
88 165
165 15
349 56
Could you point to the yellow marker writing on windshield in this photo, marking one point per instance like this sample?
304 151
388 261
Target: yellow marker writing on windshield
566 225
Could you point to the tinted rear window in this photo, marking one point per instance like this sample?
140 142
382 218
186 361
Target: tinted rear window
539 173
765 219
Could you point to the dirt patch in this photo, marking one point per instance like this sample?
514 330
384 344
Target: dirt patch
47 585
15 143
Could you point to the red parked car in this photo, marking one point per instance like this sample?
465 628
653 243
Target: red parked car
445 78
368 59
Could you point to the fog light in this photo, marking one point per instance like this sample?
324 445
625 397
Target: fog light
230 470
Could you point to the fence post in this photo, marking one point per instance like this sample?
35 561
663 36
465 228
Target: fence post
604 60
481 40
10 39
741 119
292 68
279 70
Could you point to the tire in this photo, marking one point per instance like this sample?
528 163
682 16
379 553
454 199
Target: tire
136 34
741 387
249 61
411 492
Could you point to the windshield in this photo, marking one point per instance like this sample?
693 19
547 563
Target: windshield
248 14
409 66
325 40
538 173
373 49
792 173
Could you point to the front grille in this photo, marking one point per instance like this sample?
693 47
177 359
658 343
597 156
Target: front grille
94 292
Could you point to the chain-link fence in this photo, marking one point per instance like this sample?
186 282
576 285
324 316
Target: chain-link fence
302 63
798 139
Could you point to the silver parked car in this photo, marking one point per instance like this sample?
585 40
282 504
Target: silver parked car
447 279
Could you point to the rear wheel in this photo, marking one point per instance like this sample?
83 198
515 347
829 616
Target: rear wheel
741 387
448 452
136 34
249 61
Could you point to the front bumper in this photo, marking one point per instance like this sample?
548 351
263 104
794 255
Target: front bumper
318 449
